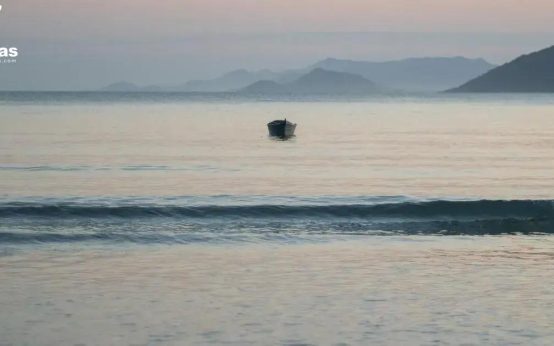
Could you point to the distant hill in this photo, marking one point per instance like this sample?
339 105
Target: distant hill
414 74
121 86
265 87
529 73
233 80
129 87
317 82
322 81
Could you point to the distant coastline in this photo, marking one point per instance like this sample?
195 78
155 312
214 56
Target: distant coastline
433 74
17 98
529 73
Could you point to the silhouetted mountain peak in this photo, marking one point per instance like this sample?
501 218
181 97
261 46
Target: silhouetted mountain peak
318 81
532 72
264 87
121 86
327 61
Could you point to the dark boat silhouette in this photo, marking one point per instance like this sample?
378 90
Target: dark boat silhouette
281 128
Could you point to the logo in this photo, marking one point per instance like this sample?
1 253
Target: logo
8 54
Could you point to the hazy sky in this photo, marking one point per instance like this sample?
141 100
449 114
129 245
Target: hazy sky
79 44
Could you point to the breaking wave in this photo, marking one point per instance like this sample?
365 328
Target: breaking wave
260 220
428 209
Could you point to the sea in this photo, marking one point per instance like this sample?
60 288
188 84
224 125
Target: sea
173 219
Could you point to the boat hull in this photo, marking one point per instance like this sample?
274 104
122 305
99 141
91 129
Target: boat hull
281 129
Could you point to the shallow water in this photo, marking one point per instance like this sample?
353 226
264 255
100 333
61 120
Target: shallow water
394 290
174 219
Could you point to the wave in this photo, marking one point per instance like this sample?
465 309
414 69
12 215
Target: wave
288 232
440 209
237 219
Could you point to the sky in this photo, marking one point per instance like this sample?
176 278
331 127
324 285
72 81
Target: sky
85 44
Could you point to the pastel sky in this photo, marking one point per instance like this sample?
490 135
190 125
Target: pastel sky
80 44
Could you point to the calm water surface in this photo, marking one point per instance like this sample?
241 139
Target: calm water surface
495 148
171 219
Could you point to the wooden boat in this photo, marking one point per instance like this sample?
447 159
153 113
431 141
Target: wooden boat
281 128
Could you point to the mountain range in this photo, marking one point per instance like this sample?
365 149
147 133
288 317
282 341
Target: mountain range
415 74
317 82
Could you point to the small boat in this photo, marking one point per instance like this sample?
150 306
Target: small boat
281 128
